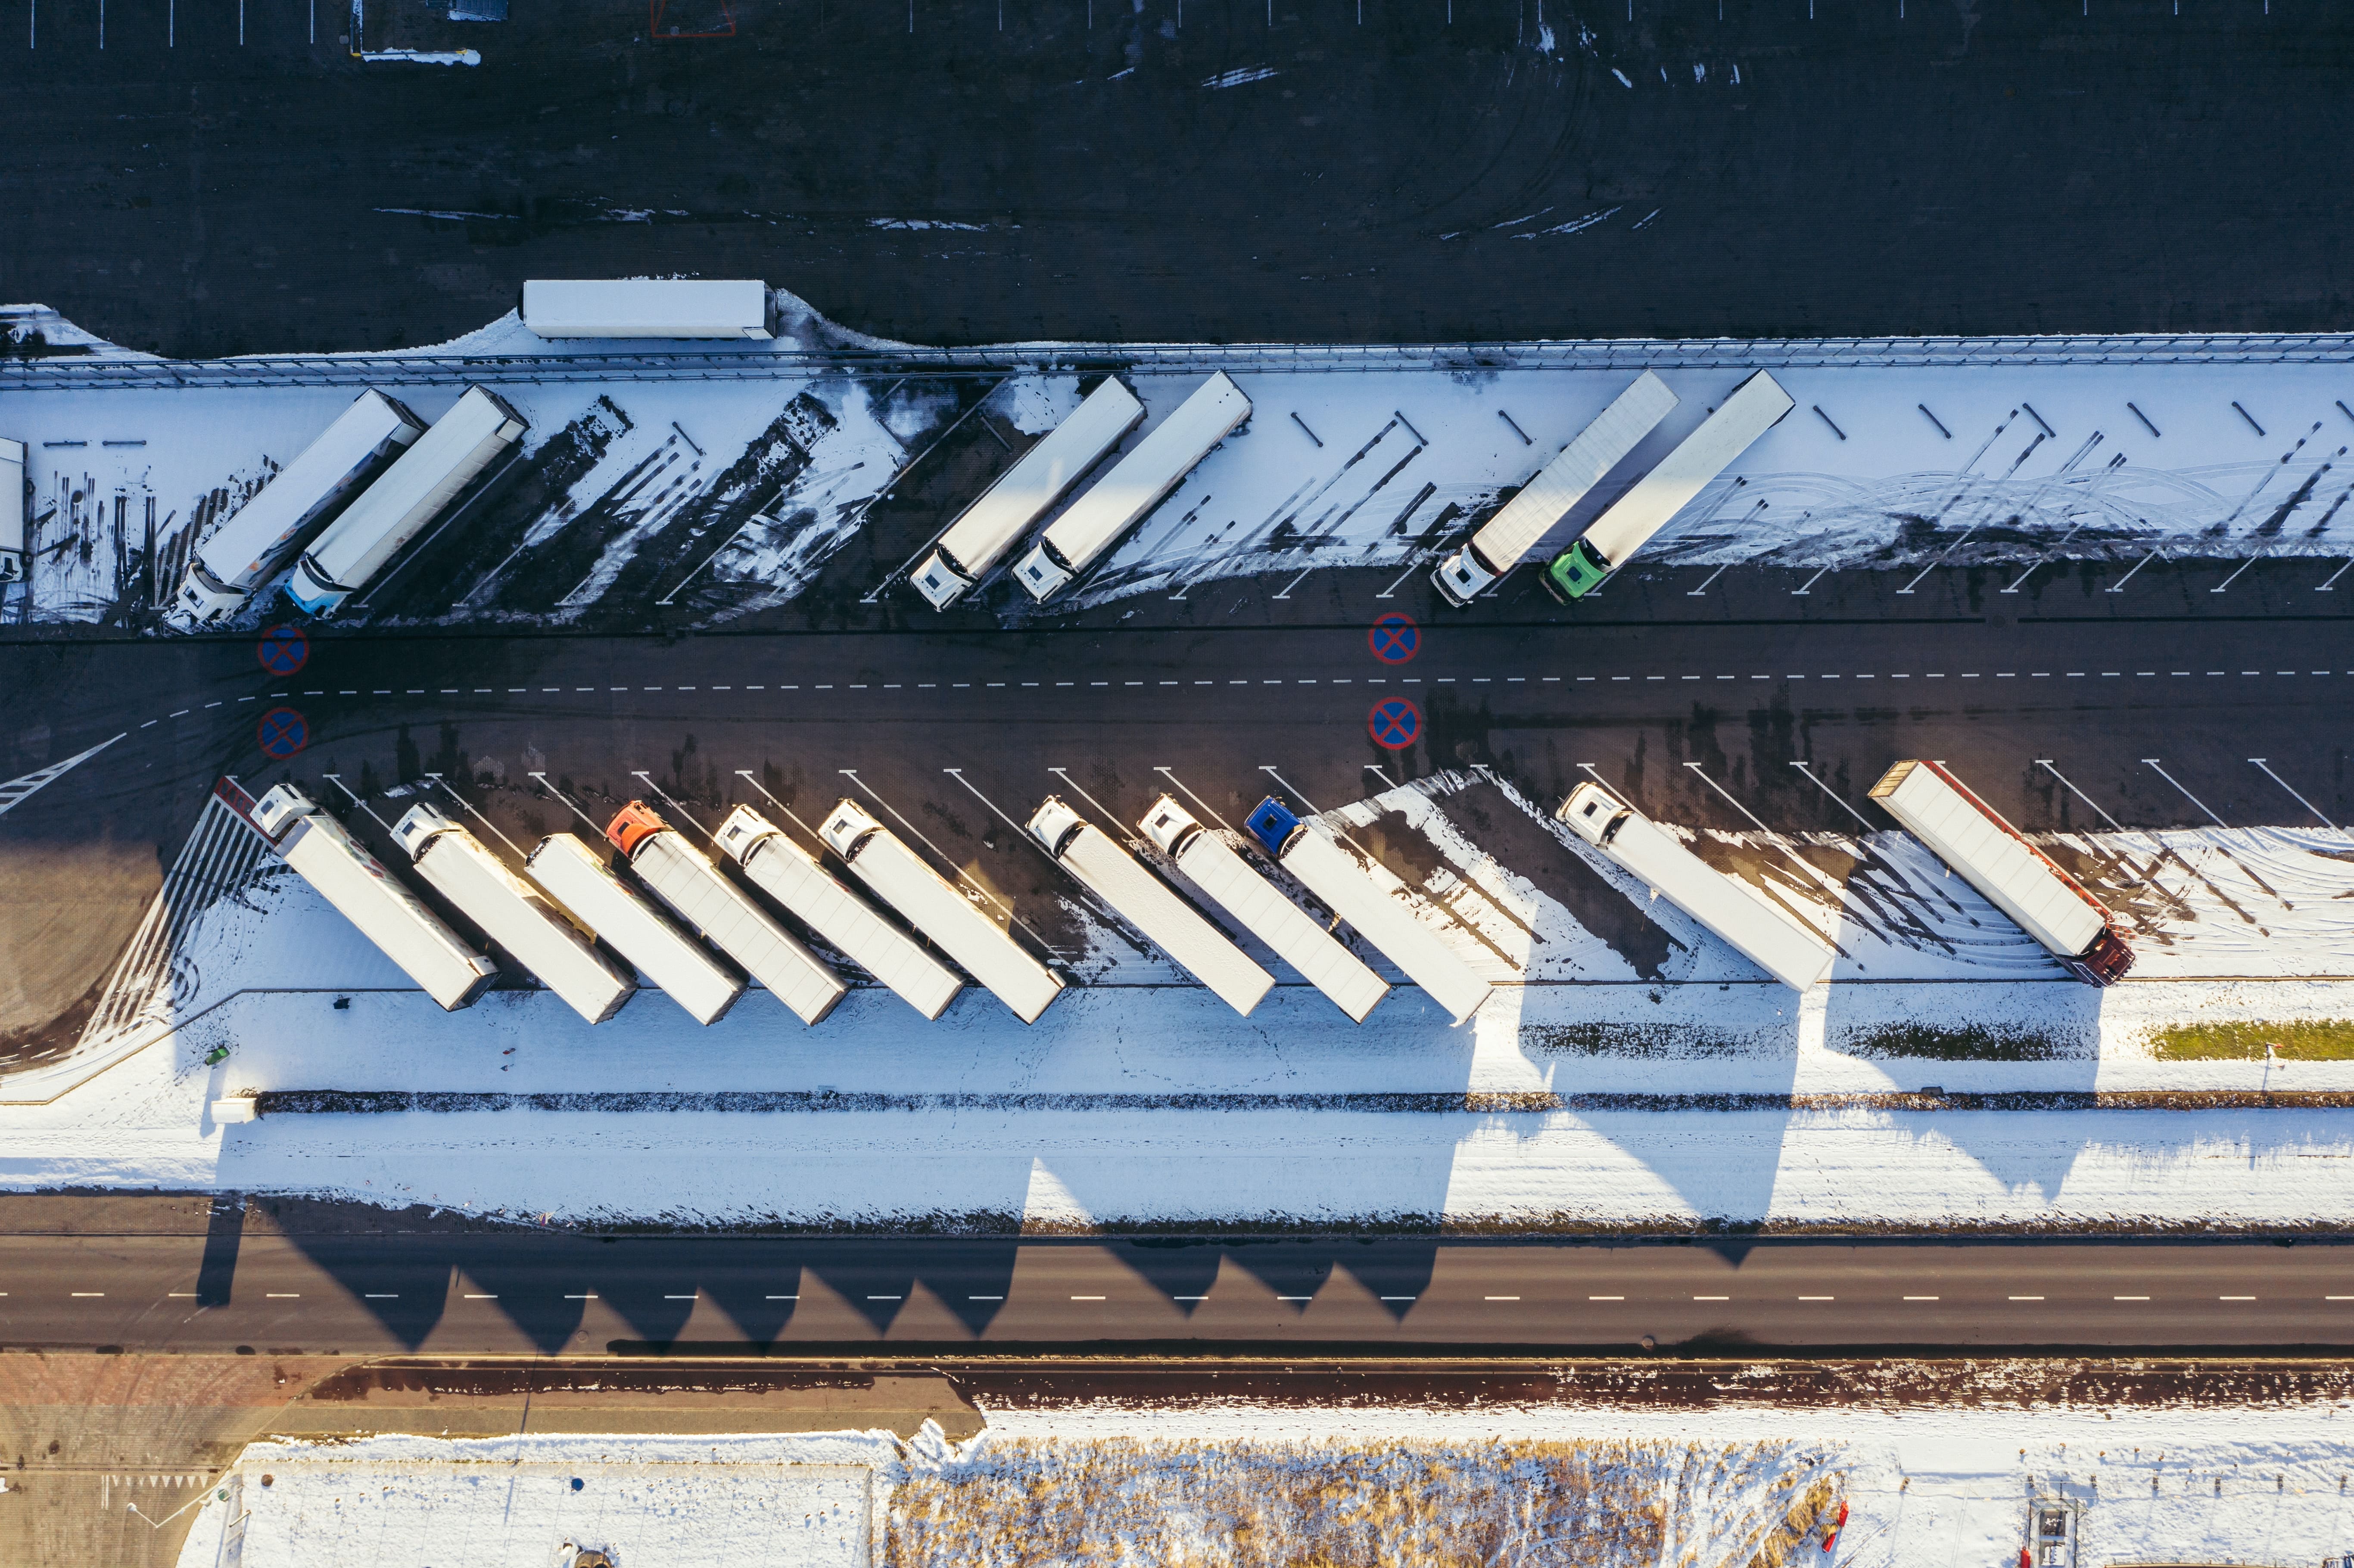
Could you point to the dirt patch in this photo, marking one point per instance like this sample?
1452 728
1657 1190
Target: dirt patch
1975 1043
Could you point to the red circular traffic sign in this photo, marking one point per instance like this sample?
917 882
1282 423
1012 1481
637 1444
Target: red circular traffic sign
1395 638
281 733
1394 724
284 650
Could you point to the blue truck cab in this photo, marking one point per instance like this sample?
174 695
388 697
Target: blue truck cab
1272 825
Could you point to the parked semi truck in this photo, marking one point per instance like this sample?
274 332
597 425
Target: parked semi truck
256 540
512 913
418 487
649 307
324 853
1505 539
16 504
1262 909
894 873
1333 874
1756 406
1137 896
686 972
682 878
1768 936
984 531
791 875
2017 878
1137 483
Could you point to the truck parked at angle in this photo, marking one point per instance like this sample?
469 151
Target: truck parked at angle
1334 875
1506 538
512 913
1262 909
1137 483
324 853
1761 931
1756 406
577 878
682 878
737 308
1167 921
245 551
791 875
984 531
2017 878
894 873
16 504
418 487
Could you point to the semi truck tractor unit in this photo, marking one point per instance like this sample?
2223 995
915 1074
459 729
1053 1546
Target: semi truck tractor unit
15 506
422 484
986 530
1505 539
682 878
258 539
2016 877
721 308
324 853
683 968
1769 936
894 873
1140 482
513 914
1138 896
1334 875
1756 406
809 893
1262 909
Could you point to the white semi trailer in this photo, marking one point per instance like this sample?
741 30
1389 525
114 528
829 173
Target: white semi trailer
260 535
1505 539
2017 878
682 878
418 488
324 853
1137 483
15 502
1262 909
1756 406
984 531
576 877
649 307
1769 936
790 875
895 874
1333 874
512 913
1167 921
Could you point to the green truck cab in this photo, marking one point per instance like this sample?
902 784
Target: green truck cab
1576 572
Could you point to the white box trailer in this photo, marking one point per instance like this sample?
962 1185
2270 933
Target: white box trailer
16 504
984 531
1167 921
2017 878
260 535
877 858
736 308
1756 406
1262 909
418 488
512 913
790 875
1137 483
1333 874
1505 539
682 878
576 877
324 853
1768 935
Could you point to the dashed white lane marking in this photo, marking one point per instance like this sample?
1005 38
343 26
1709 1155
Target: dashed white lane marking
2026 1299
887 1299
984 1297
1605 1298
1817 1298
687 1298
1098 1299
80 1293
586 1295
2235 1298
382 1296
281 1295
1503 1298
1712 1298
1279 1299
793 1297
2128 1298
1384 1299
481 1295
1919 1298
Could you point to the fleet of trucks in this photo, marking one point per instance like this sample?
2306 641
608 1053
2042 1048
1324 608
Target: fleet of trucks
984 531
418 486
650 307
256 540
15 502
1137 483
1167 921
1768 936
2017 878
324 853
577 878
1756 406
1505 539
894 874
1333 874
